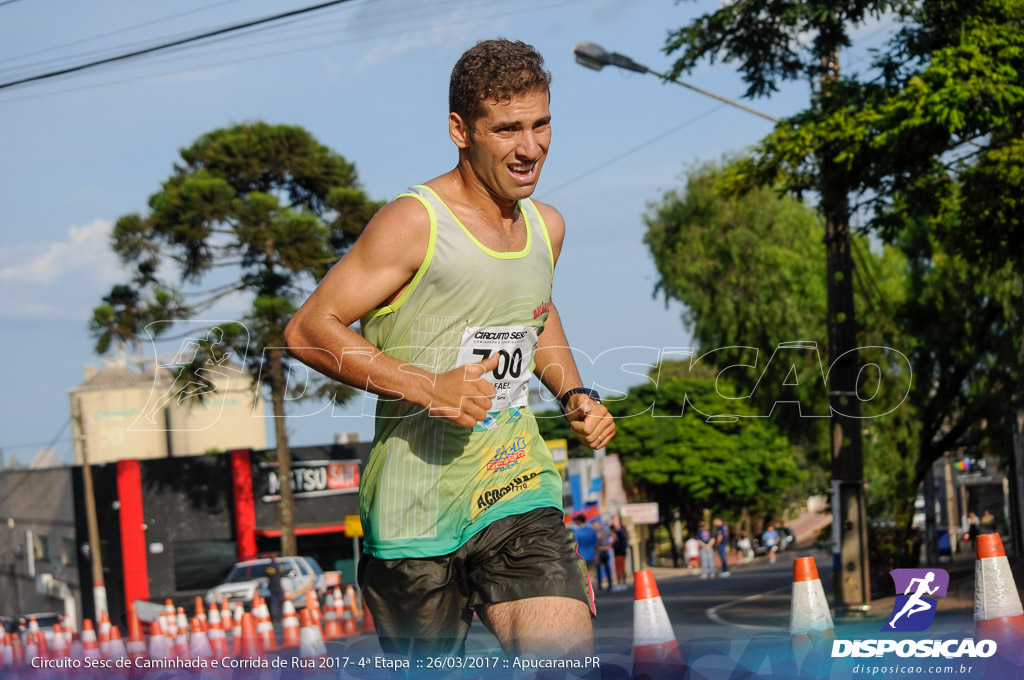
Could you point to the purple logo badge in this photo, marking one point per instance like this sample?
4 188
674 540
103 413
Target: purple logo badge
916 590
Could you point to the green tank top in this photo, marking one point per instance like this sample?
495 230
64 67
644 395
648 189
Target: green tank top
429 486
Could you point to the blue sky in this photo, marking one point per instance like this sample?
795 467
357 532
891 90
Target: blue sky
368 78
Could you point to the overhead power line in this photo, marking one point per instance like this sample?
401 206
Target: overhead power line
174 43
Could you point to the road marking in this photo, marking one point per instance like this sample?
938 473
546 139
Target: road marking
712 613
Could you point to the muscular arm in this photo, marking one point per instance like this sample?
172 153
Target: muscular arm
375 271
556 367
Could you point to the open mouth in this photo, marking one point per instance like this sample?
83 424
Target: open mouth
523 171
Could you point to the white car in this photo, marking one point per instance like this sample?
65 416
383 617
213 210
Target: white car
299 576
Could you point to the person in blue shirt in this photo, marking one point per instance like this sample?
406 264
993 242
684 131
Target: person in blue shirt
771 541
722 544
586 541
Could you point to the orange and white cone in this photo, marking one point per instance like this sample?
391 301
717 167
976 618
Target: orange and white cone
236 630
998 614
59 649
218 639
103 635
159 645
225 614
90 644
116 649
313 607
311 644
332 624
200 612
199 644
6 651
349 627
351 600
136 641
17 652
810 620
655 650
290 635
265 627
248 642
32 648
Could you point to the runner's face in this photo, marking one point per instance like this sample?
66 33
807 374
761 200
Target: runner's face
509 143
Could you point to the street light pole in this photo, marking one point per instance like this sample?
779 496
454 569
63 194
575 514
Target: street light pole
595 57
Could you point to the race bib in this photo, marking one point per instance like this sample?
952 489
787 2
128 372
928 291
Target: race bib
514 347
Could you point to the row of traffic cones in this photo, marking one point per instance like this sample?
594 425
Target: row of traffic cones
998 613
204 636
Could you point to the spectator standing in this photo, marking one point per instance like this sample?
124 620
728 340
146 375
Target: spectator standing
707 549
988 523
586 541
770 538
604 555
276 591
722 544
620 546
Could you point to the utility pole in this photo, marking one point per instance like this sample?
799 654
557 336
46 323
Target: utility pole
99 590
851 577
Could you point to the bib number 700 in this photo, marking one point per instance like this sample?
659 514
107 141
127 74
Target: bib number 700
510 364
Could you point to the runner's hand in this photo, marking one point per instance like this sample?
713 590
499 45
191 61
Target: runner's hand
590 421
463 395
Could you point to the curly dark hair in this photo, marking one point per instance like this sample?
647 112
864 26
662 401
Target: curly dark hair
495 70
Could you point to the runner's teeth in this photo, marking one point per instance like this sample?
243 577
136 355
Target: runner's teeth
522 168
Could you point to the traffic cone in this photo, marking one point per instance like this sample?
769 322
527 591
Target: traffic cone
248 643
159 645
17 652
90 644
236 630
181 646
352 600
290 635
810 621
225 614
103 634
199 645
998 614
218 640
332 624
311 644
313 606
136 642
59 650
200 612
349 627
264 627
6 651
655 650
32 648
116 649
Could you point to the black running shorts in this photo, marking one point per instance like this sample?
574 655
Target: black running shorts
424 606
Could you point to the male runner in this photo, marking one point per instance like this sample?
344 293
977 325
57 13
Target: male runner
460 499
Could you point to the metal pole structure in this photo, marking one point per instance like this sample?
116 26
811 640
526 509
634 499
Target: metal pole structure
952 521
99 589
594 57
1017 498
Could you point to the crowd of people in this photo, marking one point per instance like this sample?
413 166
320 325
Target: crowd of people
604 548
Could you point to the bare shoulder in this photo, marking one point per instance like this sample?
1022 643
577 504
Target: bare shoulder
555 224
398 234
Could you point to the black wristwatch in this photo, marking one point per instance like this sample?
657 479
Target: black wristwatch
578 390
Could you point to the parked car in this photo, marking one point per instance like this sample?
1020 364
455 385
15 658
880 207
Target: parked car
786 541
300 575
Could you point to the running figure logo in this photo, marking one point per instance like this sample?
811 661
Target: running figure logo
915 608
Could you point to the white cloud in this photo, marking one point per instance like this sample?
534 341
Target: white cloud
85 251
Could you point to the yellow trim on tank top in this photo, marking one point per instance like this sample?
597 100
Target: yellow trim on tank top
493 253
544 233
393 307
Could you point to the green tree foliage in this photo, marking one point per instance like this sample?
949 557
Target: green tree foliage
930 144
750 269
275 209
688 464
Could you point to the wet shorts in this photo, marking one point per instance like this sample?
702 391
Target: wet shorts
424 606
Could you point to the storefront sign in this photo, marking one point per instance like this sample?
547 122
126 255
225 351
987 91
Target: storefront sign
312 478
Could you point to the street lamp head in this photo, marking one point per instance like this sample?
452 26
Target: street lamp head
590 55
